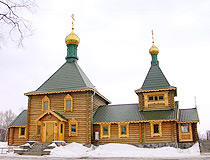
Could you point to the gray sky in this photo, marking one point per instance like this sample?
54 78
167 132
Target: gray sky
115 36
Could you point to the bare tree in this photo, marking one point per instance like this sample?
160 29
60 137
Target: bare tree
13 25
5 119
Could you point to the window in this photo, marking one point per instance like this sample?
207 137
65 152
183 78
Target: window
123 130
105 131
45 103
156 98
61 129
68 103
22 132
73 127
156 129
184 127
39 129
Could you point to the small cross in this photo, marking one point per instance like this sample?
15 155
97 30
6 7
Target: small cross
152 37
72 16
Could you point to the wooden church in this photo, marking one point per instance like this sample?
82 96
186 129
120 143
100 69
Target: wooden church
67 107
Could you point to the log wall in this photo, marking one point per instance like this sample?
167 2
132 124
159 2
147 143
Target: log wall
13 138
81 106
134 134
168 133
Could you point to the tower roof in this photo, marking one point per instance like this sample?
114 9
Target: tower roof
155 78
68 76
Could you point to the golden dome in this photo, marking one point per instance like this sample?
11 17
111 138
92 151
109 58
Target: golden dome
153 50
72 38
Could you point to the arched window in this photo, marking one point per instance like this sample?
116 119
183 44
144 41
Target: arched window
45 103
68 103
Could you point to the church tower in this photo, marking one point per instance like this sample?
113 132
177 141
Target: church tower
156 93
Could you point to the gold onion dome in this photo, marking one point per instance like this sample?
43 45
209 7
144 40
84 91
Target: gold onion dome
153 49
72 38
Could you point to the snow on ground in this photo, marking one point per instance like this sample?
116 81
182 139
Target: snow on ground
76 150
3 144
70 150
122 150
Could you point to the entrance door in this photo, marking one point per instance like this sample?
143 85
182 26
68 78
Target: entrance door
49 132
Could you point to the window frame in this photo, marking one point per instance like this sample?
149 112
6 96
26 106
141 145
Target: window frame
68 98
71 123
120 130
102 135
152 124
20 135
45 99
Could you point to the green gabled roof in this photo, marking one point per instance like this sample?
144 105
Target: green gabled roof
155 79
20 120
117 113
188 115
68 77
130 112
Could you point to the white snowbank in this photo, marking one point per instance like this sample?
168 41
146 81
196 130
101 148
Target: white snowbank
122 150
3 144
125 150
70 150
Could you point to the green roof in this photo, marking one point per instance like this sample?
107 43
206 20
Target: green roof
155 79
130 112
20 120
69 76
60 115
188 115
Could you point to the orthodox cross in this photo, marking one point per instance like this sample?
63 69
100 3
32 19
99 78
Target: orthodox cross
72 16
152 37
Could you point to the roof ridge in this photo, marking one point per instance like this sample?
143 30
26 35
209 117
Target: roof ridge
51 76
84 76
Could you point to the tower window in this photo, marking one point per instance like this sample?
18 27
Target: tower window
156 98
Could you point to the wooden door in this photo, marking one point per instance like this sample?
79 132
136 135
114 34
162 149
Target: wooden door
49 132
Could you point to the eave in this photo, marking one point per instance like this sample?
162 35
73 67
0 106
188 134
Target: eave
141 121
155 90
67 91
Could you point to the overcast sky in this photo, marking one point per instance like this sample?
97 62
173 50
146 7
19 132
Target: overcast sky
115 36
